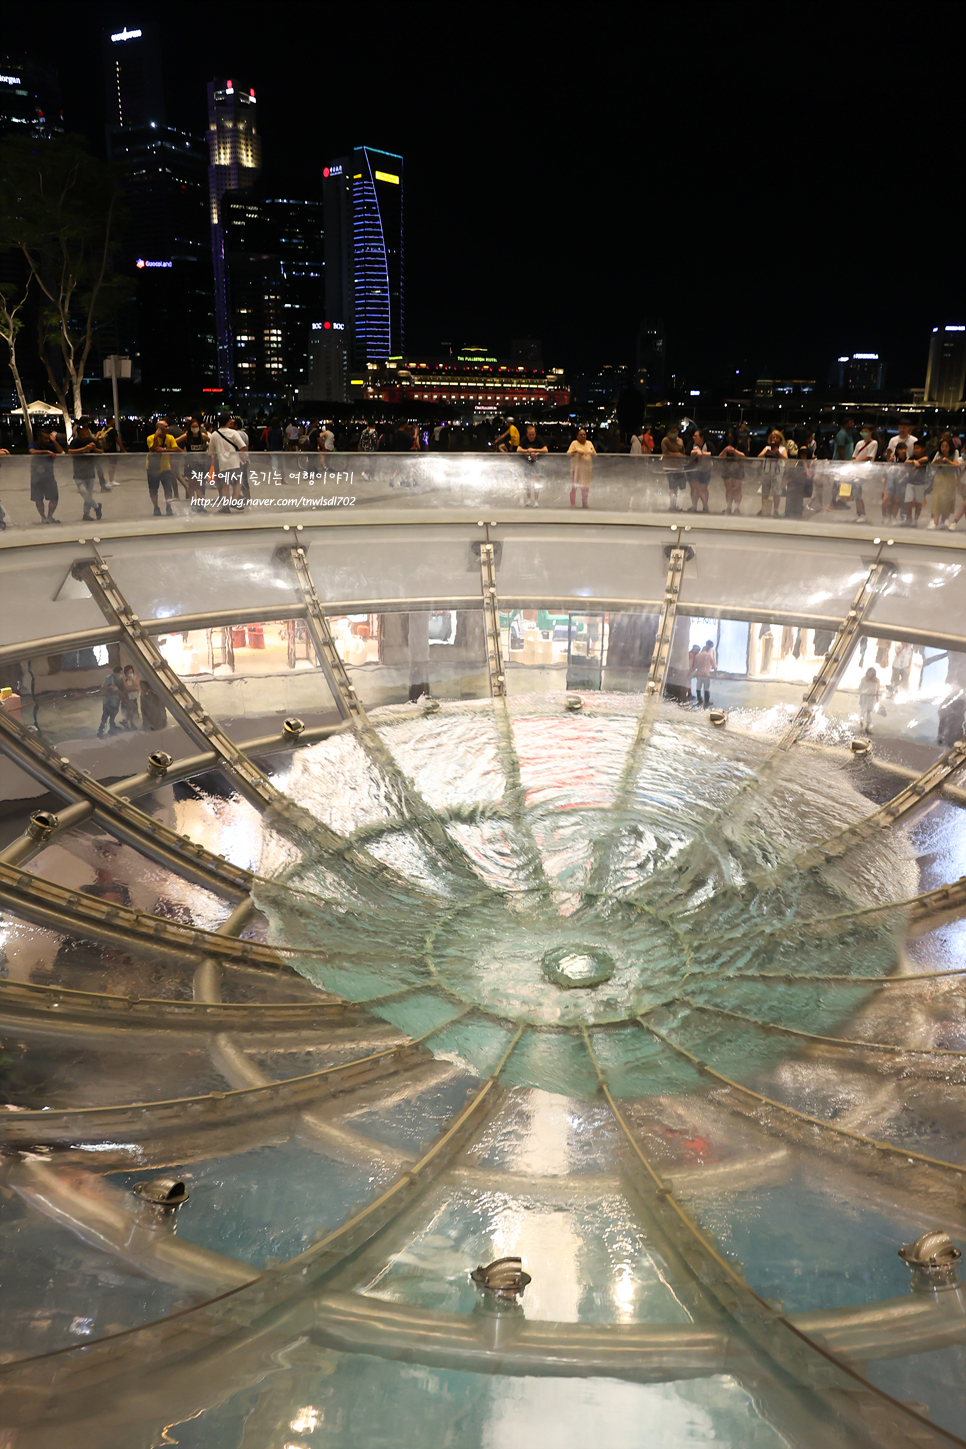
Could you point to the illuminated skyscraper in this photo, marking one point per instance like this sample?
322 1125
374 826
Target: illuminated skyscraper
364 290
29 99
946 371
273 249
234 162
169 329
133 87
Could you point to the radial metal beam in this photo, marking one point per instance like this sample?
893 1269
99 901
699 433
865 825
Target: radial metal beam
857 1404
177 853
247 778
491 618
138 1119
910 799
677 555
845 1043
690 862
347 701
820 1122
923 913
413 810
836 660
23 1003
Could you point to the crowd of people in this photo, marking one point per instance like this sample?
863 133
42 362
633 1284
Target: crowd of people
209 462
901 468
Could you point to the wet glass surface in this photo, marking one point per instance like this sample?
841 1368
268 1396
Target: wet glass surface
582 916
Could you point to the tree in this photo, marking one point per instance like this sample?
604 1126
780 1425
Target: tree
61 209
12 299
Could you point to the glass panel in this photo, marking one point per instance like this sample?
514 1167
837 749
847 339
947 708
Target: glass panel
166 575
537 566
89 860
397 656
901 695
103 722
377 565
546 650
926 591
250 678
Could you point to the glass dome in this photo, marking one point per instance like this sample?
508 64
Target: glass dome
438 1006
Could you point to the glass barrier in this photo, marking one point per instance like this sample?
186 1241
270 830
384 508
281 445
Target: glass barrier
187 487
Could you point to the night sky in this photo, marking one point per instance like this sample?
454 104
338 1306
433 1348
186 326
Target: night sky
780 184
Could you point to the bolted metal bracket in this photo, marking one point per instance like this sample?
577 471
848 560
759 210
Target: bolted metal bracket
678 555
167 1193
491 618
718 717
292 728
504 1278
159 763
932 1259
42 825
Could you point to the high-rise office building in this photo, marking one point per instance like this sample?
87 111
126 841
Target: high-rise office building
133 86
171 331
30 105
946 369
328 378
860 372
169 328
364 274
30 102
276 289
234 163
651 360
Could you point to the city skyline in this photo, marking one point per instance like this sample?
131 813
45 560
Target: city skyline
568 207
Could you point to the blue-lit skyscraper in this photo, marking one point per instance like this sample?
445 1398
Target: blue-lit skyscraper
364 286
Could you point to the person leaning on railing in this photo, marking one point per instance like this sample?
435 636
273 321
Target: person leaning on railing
732 471
111 443
43 484
947 463
672 451
83 446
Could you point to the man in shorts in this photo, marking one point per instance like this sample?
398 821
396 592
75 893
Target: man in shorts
532 445
82 447
43 485
672 450
894 482
917 481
